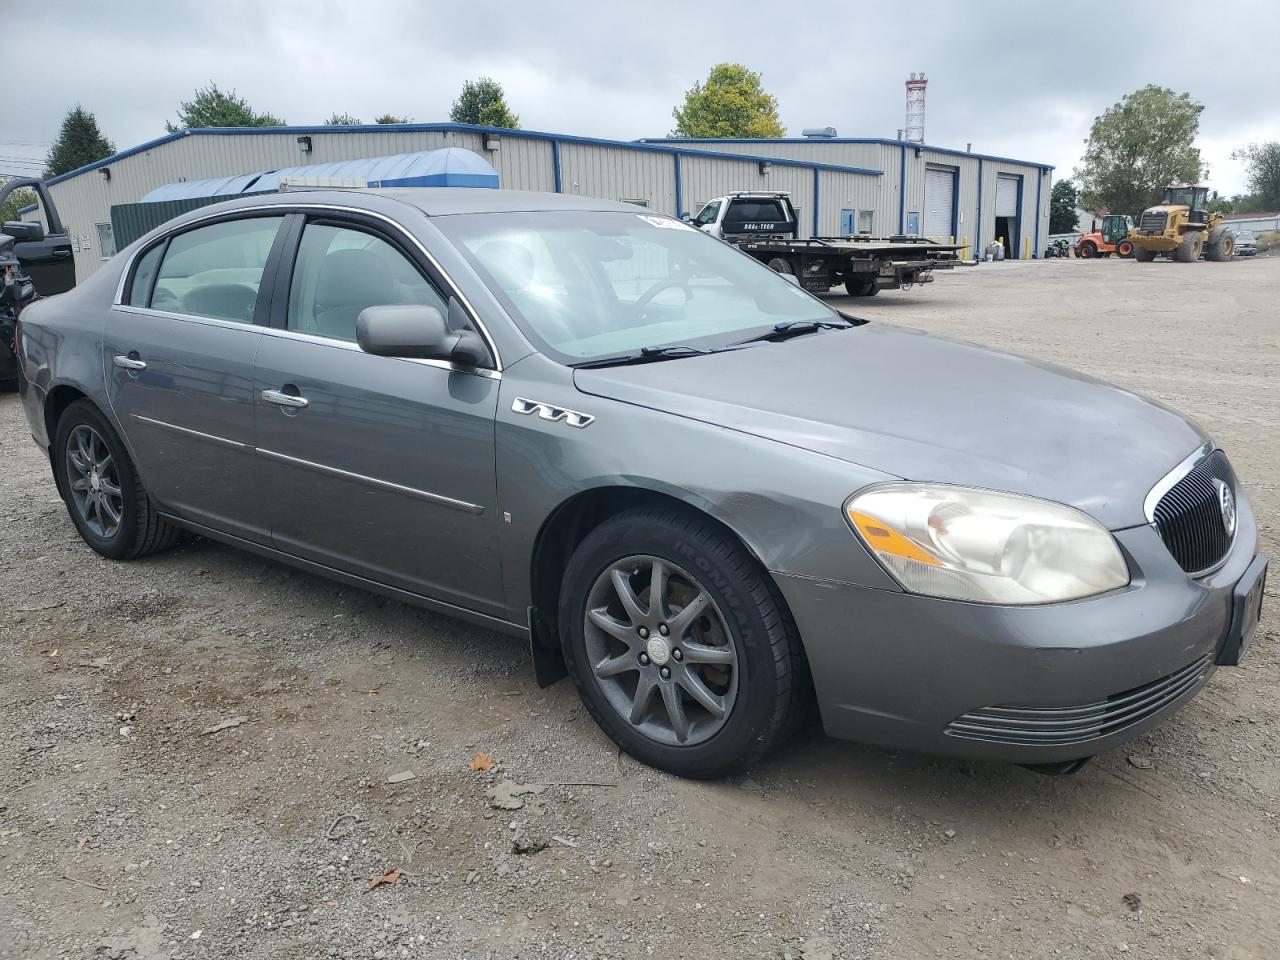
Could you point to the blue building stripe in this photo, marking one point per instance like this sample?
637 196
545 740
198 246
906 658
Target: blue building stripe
555 165
675 164
817 200
977 232
902 191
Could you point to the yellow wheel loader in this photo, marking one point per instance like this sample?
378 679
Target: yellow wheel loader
1182 227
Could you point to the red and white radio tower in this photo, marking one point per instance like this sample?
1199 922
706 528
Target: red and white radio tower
914 129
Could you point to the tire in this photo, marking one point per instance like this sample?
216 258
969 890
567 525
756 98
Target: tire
1087 249
739 644
120 526
780 265
1221 246
1189 250
1143 255
861 286
1124 249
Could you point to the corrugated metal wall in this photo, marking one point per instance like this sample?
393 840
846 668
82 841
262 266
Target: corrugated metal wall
706 178
618 174
1034 223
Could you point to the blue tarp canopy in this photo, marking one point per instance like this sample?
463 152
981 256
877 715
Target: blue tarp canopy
450 167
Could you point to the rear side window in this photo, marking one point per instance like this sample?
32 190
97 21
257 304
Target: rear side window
144 276
216 271
339 271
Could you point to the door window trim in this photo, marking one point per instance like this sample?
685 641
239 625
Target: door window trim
124 290
283 209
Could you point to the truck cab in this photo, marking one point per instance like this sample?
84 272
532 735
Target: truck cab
748 214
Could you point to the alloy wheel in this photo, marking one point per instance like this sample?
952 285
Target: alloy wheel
94 482
661 650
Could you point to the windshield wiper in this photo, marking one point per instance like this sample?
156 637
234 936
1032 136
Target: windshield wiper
648 355
797 328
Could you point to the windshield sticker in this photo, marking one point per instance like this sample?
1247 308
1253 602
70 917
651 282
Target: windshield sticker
666 223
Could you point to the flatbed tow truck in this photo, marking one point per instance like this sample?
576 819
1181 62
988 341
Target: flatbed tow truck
763 226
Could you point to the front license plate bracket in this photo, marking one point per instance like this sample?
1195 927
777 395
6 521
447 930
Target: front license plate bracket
1246 610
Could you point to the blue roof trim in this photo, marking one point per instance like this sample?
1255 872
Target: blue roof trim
140 148
470 128
879 140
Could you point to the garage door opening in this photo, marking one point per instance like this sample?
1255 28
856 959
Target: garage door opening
1008 213
939 202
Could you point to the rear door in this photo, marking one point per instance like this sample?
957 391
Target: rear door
376 466
179 354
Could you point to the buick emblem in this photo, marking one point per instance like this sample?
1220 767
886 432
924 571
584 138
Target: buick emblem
1227 504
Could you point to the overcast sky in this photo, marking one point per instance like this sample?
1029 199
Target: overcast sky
1019 79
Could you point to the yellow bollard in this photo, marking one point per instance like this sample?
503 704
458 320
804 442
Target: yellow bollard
1026 248
964 248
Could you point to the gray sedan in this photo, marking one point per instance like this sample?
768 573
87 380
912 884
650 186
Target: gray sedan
707 497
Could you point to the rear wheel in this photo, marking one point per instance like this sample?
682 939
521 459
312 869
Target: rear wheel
1143 255
1189 250
102 490
1124 248
679 645
780 265
861 286
1088 249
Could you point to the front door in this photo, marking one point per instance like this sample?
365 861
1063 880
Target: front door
376 466
179 354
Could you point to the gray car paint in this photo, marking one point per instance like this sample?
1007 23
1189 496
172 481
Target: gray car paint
769 441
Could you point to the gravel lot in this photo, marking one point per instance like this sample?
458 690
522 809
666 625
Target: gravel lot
128 831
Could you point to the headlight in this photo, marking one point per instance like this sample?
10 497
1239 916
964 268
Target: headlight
964 544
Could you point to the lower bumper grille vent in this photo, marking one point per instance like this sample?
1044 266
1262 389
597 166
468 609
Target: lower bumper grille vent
1061 726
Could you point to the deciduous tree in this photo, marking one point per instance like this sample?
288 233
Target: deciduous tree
342 120
1262 161
482 101
1063 202
212 107
732 103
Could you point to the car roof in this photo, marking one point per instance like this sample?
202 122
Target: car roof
433 201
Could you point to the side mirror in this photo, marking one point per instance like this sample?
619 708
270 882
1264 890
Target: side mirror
416 331
23 231
687 218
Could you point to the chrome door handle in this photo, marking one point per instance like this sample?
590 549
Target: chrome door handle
129 363
282 399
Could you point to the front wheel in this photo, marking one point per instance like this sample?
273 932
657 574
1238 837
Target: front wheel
679 645
1189 250
1087 249
104 495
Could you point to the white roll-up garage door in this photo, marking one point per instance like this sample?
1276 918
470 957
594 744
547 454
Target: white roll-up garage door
939 199
1006 196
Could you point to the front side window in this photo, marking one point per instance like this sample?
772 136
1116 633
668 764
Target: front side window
215 271
586 286
340 271
708 214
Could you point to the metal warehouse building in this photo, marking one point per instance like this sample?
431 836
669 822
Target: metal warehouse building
839 186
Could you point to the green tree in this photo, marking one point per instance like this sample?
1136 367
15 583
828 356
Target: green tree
342 120
1138 147
211 107
1063 202
392 118
15 202
1262 161
79 142
482 101
732 103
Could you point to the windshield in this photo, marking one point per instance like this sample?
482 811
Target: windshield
589 285
1179 195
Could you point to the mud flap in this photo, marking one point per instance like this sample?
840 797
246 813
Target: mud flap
548 661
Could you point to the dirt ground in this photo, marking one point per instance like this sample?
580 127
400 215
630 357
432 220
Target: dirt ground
129 831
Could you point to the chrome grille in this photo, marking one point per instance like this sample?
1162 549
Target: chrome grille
1189 515
1063 726
1153 221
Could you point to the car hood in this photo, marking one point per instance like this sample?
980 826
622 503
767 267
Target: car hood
922 407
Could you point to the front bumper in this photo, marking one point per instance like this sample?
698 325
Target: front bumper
904 671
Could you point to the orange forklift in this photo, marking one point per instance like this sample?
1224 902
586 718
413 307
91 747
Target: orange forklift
1112 238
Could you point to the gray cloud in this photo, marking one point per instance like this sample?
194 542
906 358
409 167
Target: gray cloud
1015 78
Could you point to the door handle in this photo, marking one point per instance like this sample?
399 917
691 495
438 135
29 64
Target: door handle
281 399
61 253
129 363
